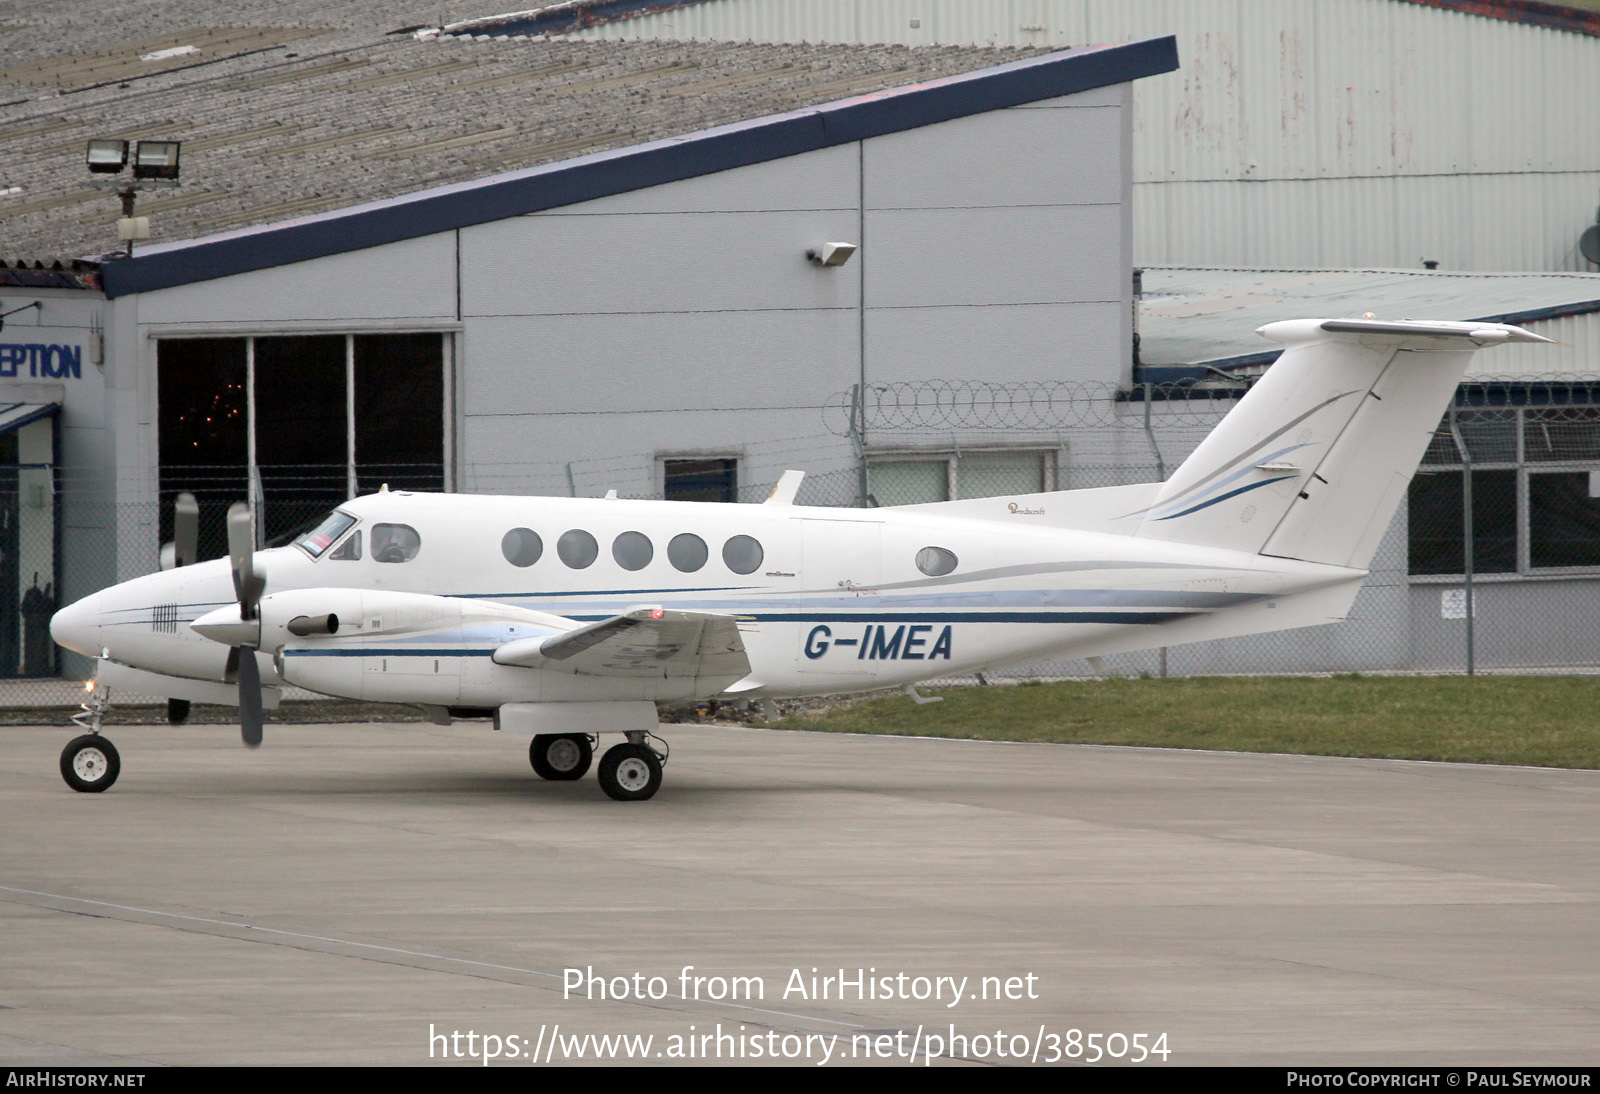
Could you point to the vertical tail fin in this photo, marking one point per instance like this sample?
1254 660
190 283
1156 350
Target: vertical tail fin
1313 461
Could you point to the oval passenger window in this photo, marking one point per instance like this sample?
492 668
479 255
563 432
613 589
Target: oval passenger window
395 543
687 552
577 548
935 561
742 554
632 550
522 546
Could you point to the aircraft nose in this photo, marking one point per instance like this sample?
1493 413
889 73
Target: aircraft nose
77 626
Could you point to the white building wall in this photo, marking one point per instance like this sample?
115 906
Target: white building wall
594 340
1296 132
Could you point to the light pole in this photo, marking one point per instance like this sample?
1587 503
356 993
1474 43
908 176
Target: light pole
155 165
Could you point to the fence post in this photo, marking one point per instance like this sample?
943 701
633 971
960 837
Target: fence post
1467 530
858 437
1161 465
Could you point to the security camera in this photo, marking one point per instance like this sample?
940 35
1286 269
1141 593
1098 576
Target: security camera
831 254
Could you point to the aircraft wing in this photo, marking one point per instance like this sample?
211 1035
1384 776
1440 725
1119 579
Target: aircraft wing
641 643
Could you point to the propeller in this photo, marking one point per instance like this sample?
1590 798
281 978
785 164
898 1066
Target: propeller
240 628
248 585
185 530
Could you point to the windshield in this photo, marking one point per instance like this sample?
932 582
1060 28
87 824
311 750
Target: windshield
320 538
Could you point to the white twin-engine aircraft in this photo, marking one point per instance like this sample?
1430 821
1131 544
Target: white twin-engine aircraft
566 618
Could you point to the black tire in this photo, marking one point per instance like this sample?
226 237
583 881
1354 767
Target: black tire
177 711
630 773
90 764
561 757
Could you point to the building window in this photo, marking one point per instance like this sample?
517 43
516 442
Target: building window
298 424
917 478
1535 481
700 480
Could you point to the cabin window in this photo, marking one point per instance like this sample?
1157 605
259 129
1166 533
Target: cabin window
320 538
632 550
577 548
936 561
742 554
521 546
687 552
350 549
395 542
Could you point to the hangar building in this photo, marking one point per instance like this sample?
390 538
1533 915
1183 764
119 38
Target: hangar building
1376 133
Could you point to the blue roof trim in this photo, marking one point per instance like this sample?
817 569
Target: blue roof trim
603 174
13 416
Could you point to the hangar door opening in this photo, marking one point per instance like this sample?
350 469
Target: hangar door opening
297 424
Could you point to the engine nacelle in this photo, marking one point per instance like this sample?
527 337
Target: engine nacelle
388 646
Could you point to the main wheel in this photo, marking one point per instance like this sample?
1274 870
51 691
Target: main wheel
177 711
561 757
90 764
630 773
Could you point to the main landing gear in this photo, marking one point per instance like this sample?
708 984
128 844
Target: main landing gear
90 763
561 757
629 772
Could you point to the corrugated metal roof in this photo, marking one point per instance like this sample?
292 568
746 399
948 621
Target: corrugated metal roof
578 15
1298 132
1191 318
757 139
355 112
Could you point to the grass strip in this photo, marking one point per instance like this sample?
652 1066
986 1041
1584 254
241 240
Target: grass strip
1546 721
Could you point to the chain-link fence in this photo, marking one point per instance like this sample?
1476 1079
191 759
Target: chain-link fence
1521 457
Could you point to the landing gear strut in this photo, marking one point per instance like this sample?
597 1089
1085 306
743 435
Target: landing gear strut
561 757
631 772
90 763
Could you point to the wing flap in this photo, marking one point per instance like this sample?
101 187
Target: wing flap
654 643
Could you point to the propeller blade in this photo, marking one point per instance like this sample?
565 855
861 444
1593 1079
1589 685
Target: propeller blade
247 583
250 714
185 530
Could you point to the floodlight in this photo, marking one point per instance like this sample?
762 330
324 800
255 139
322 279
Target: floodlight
832 254
107 157
156 159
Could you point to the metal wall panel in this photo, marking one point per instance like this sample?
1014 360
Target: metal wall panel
619 263
1005 344
554 366
1389 131
410 280
1048 255
1066 156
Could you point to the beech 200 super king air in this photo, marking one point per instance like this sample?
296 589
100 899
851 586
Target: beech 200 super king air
566 618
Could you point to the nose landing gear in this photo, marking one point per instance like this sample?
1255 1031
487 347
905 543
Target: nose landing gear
90 763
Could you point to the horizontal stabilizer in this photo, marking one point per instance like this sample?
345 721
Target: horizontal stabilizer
655 643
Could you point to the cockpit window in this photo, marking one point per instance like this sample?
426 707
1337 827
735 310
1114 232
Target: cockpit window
350 549
395 543
320 538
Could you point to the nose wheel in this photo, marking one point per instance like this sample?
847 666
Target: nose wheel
90 764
